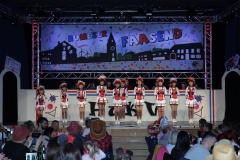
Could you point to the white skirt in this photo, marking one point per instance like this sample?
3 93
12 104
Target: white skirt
160 103
124 102
40 107
100 100
117 103
82 104
138 102
64 105
174 101
191 103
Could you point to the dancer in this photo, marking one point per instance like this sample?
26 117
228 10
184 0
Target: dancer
139 93
124 96
101 99
81 96
117 103
64 101
40 99
160 93
174 102
191 102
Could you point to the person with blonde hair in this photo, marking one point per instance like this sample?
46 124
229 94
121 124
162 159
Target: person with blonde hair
172 140
91 151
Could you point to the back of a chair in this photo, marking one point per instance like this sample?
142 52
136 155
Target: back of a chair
160 153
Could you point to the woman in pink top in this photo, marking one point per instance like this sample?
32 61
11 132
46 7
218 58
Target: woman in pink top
91 151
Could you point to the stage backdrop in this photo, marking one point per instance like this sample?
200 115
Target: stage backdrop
122 47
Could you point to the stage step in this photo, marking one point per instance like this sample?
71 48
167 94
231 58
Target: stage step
130 146
135 157
128 139
129 132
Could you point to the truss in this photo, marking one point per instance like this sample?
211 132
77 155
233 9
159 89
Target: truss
208 54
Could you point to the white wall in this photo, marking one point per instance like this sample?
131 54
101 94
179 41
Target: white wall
219 105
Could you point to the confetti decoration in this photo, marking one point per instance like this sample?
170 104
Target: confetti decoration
174 42
46 40
186 26
129 26
58 35
68 27
84 28
43 27
91 29
200 31
161 27
77 26
124 26
162 44
93 43
61 27
120 29
156 28
194 26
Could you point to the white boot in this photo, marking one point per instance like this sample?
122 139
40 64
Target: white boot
137 121
140 121
175 120
190 121
119 122
116 122
66 120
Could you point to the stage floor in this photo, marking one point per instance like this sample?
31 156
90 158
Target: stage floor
128 124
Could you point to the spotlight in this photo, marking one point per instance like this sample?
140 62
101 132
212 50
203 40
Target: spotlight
13 22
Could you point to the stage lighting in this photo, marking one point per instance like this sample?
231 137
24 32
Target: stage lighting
13 22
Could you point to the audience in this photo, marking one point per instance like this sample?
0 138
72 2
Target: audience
91 151
172 140
91 86
109 85
55 125
227 129
128 86
76 85
156 84
52 148
75 129
145 86
237 133
99 134
182 145
15 149
183 86
47 135
207 128
87 129
42 125
68 152
30 126
201 151
163 141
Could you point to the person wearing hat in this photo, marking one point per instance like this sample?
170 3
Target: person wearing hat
191 101
81 96
101 99
40 99
183 85
124 96
74 128
139 93
99 134
160 92
64 101
15 149
174 102
117 103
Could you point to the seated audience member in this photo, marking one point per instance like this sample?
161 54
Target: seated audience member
52 148
182 145
145 86
128 86
123 154
172 140
156 84
78 142
196 86
91 86
183 85
207 128
16 150
109 85
76 130
47 135
30 126
201 123
42 125
201 151
68 152
223 150
227 129
55 125
99 134
2 157
237 134
87 129
76 85
91 151
163 141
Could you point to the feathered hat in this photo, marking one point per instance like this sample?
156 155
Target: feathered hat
139 79
173 80
191 79
164 122
123 80
102 78
81 82
116 81
160 79
63 85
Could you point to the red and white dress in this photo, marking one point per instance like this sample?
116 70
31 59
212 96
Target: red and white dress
190 93
139 93
41 99
116 97
124 95
64 99
101 91
160 93
81 96
174 93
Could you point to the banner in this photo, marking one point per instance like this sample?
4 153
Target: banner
122 47
52 104
13 65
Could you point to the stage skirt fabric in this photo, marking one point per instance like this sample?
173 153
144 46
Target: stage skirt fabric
64 105
160 103
40 107
101 100
139 102
82 104
117 103
174 101
191 103
124 102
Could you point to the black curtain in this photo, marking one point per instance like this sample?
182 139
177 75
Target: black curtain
10 101
232 95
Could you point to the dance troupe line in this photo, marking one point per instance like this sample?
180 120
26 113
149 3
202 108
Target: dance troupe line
120 95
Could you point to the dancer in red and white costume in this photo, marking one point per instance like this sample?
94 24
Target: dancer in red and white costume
81 96
191 101
160 92
139 93
64 101
101 99
124 96
174 102
117 102
40 99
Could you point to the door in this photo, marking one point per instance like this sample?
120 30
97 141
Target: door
187 57
172 56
